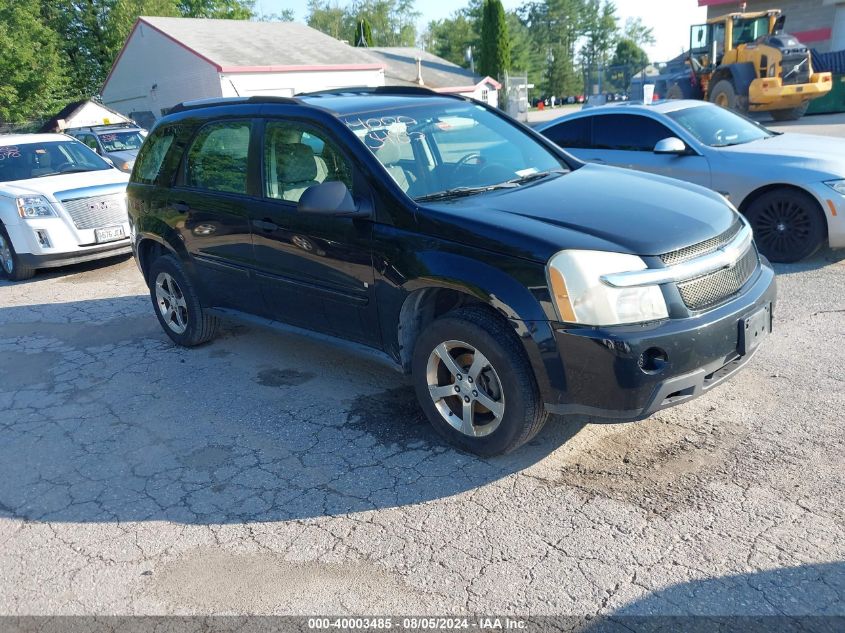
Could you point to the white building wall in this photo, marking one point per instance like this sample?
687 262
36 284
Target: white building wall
289 83
152 59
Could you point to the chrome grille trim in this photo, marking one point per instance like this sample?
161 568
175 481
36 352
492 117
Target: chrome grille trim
715 288
723 257
96 212
702 248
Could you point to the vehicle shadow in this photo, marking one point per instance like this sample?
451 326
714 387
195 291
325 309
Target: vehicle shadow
824 258
102 418
806 598
71 269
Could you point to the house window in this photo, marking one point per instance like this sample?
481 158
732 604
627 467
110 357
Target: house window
484 95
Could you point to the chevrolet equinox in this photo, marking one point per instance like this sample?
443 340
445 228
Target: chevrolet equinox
510 280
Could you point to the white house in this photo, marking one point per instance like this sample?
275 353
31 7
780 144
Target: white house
405 66
83 114
169 60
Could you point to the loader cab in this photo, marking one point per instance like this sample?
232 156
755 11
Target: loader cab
711 41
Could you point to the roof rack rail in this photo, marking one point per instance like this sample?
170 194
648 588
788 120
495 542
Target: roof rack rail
218 101
383 90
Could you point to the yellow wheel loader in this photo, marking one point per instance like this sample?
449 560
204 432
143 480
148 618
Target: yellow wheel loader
746 62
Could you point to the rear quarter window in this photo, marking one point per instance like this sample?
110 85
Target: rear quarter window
151 158
573 134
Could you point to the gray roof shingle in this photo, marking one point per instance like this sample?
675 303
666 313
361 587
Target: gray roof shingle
401 68
242 43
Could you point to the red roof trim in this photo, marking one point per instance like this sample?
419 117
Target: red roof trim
171 38
814 35
313 68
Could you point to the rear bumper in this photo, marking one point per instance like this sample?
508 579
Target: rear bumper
597 371
770 93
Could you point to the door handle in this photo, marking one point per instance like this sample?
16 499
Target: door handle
265 225
181 207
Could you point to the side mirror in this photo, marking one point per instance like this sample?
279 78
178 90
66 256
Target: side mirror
331 198
671 145
109 161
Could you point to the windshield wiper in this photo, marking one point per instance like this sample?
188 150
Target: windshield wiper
461 192
537 175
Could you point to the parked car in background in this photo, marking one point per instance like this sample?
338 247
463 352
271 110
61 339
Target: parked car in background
791 187
60 203
119 142
507 278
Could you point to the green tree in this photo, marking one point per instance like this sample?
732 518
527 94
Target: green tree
600 32
392 22
637 32
285 15
555 27
628 60
227 9
326 16
363 33
495 54
31 63
450 38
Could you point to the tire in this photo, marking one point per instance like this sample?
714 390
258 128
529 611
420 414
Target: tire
504 375
10 262
790 114
177 305
788 225
724 94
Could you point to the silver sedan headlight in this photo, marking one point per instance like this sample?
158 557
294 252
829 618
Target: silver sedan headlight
580 296
837 185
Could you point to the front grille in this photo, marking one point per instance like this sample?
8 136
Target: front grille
714 288
93 213
702 248
796 70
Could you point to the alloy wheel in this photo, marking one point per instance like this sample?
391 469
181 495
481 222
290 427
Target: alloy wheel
782 228
171 303
465 388
6 256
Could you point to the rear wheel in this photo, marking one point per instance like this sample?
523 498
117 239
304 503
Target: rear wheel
475 384
177 304
724 94
10 261
788 225
790 114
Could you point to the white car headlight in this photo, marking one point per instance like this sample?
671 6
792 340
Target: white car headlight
35 207
837 185
581 297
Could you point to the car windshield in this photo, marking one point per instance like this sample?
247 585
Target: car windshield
717 127
433 151
22 161
120 141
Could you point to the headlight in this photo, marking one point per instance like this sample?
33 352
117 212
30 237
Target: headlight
35 207
837 185
581 297
127 166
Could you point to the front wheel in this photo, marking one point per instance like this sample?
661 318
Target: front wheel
788 225
724 94
10 261
177 304
475 384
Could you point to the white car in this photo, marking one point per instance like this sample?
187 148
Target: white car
60 204
791 187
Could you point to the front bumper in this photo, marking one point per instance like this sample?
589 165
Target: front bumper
53 260
597 371
769 93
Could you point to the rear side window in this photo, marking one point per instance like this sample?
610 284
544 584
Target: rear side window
218 158
572 134
628 132
151 157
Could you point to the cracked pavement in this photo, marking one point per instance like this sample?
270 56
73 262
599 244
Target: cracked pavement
273 473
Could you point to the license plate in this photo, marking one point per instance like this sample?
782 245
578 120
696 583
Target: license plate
109 234
753 329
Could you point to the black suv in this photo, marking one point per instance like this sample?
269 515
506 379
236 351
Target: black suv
510 280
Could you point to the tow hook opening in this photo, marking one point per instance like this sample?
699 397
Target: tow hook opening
653 361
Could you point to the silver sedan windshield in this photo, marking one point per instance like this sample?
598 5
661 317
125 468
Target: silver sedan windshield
717 127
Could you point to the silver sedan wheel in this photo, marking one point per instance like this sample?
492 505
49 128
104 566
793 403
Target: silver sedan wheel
6 256
171 303
465 388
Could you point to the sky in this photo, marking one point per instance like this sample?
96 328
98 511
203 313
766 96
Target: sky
670 19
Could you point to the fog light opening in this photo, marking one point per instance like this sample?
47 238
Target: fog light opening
43 238
653 360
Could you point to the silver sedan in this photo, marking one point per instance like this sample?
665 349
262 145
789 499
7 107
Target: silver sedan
791 187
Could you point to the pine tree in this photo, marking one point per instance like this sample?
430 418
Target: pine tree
495 54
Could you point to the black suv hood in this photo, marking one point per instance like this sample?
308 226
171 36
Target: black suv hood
593 208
